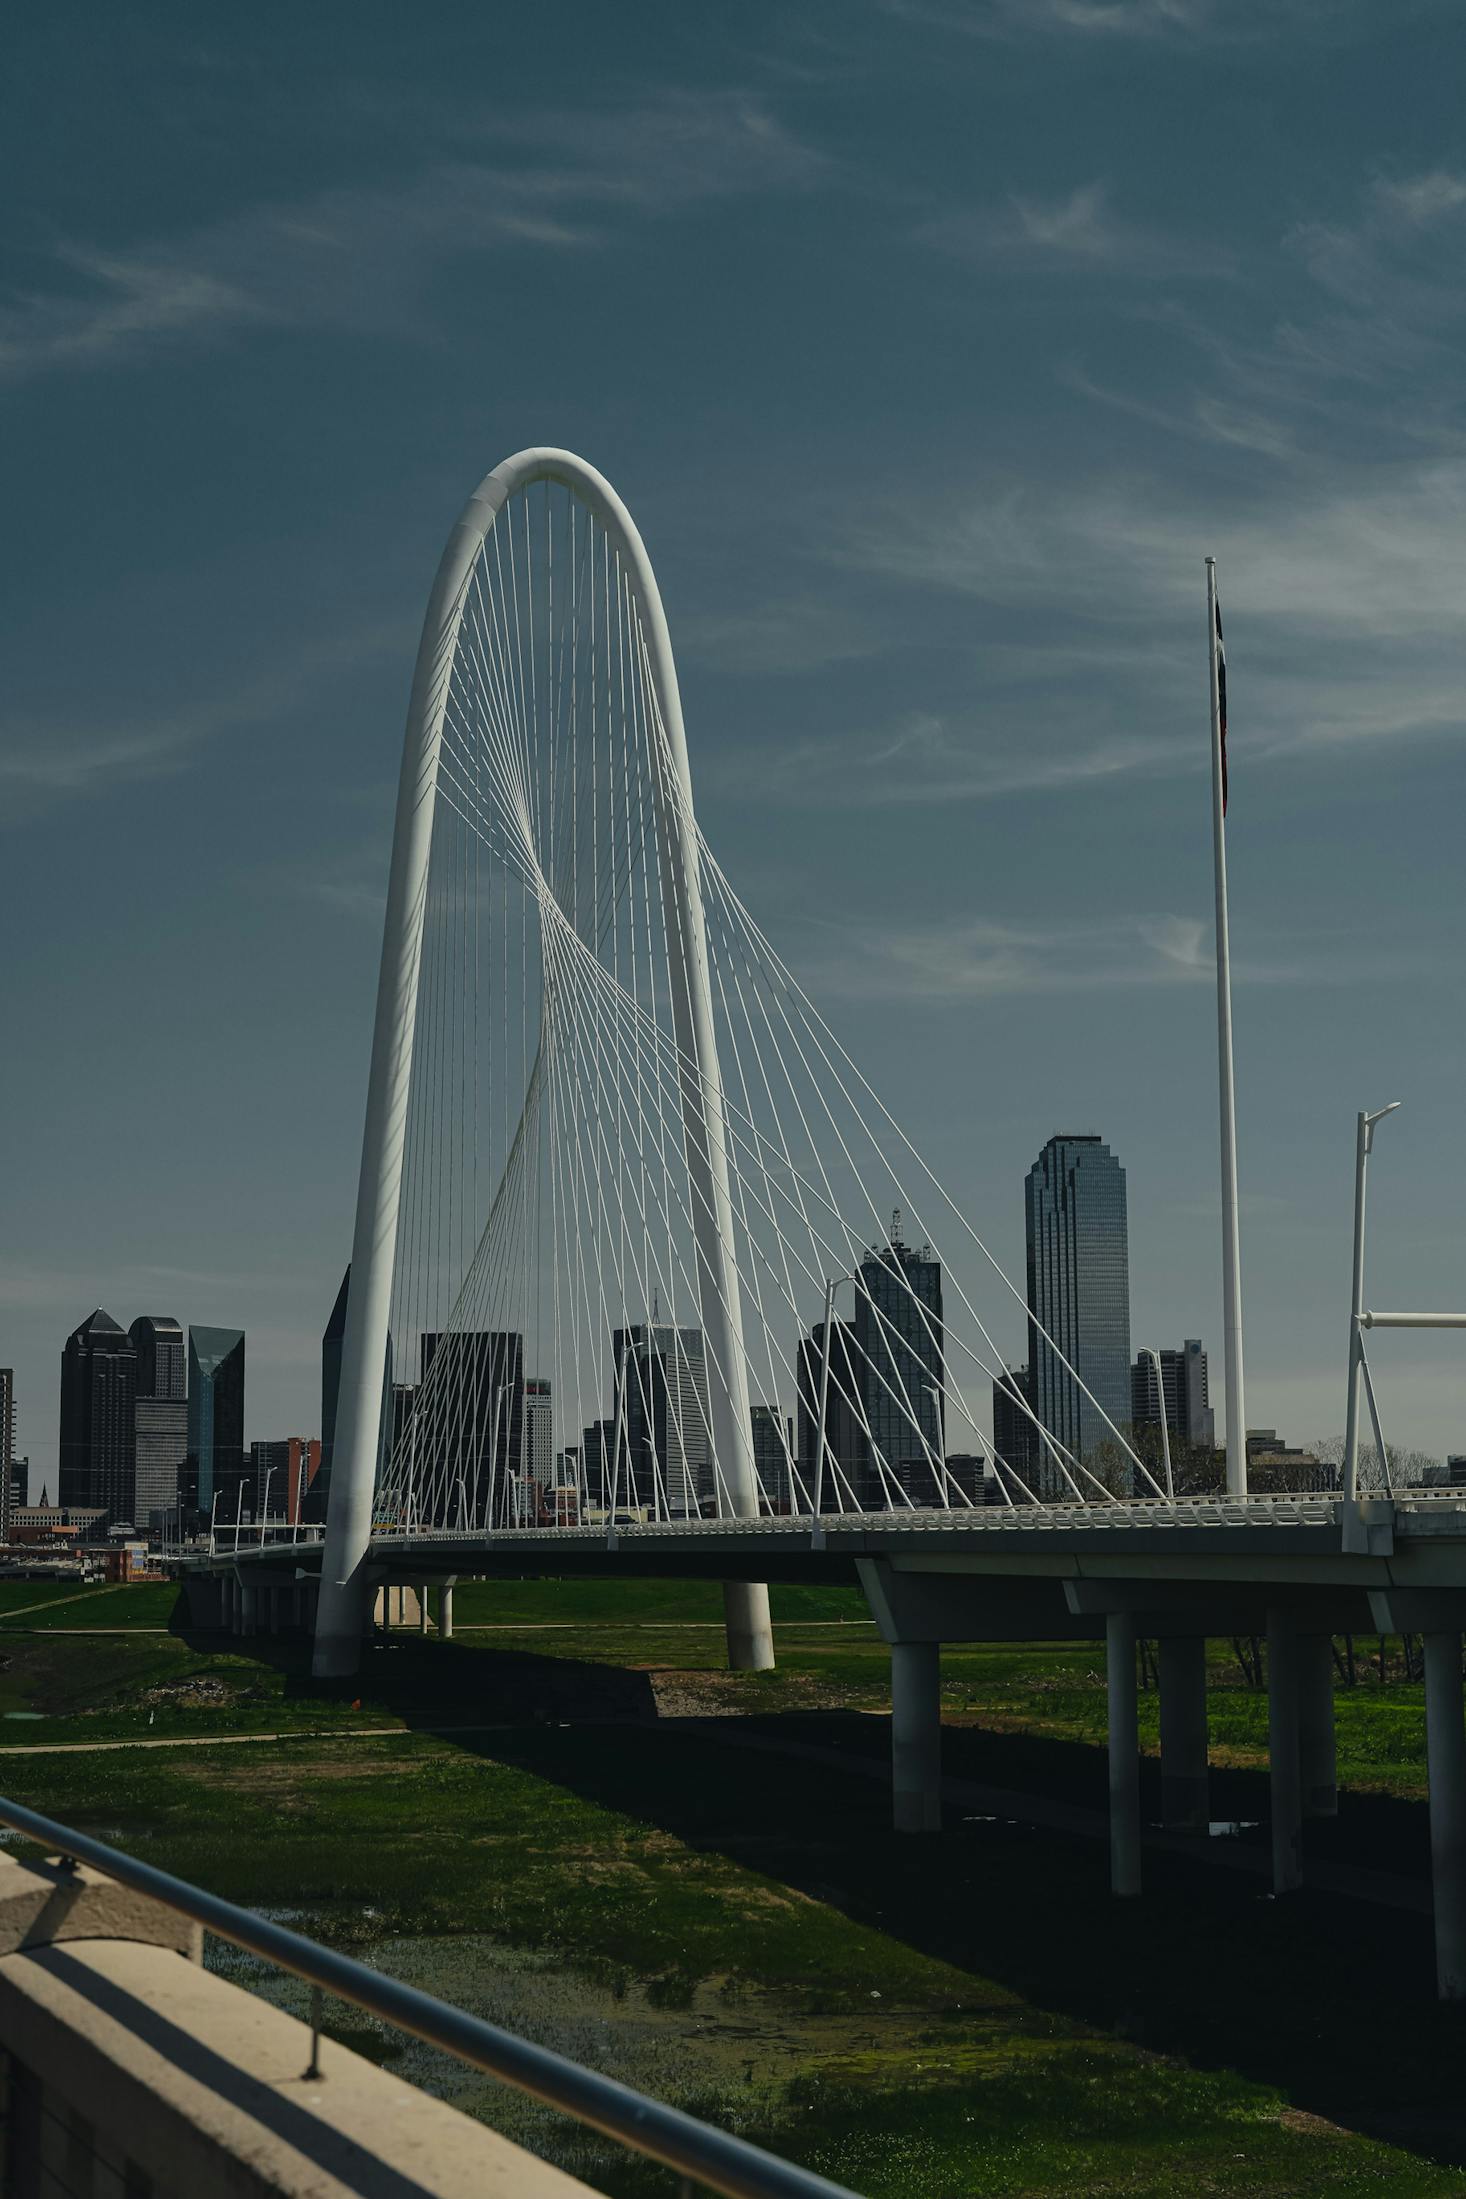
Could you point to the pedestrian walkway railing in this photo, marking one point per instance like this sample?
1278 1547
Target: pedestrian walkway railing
702 2156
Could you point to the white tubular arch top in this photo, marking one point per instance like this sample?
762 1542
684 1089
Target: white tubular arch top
359 1413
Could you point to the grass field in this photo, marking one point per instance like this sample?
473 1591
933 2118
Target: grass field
971 2016
829 1657
609 1861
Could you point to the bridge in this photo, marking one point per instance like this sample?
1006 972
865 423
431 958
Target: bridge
646 1278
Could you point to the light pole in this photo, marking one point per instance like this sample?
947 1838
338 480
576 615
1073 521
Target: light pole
265 1505
1160 1390
1363 1147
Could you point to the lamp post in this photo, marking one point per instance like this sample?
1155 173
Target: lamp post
265 1505
1363 1146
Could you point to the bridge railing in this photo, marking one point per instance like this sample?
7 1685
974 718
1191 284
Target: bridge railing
701 2155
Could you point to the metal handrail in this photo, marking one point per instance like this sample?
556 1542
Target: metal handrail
709 2157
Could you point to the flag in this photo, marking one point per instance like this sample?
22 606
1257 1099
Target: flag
1222 704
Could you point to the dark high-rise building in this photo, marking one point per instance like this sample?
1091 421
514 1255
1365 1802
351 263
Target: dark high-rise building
216 1458
469 1414
332 1339
1079 1295
1015 1439
7 1449
773 1446
98 1460
160 1417
901 1357
1183 1381
395 1407
846 1474
668 1445
596 1464
539 1433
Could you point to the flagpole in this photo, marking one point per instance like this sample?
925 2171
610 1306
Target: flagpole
1231 1254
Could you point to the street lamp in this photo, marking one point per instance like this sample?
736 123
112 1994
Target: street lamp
1363 1146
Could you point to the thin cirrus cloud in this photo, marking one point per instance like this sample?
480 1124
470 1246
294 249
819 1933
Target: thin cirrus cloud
43 762
927 760
350 257
982 959
1194 23
1079 231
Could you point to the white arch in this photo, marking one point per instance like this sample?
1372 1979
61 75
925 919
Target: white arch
341 1611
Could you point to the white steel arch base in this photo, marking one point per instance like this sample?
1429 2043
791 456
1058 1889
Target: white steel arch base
342 1607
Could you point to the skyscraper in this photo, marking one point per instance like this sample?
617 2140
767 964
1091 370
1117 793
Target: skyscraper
1015 1438
470 1413
396 1401
216 1462
846 1476
1183 1381
901 1359
7 1448
668 1445
1079 1294
539 1433
773 1439
160 1416
98 1460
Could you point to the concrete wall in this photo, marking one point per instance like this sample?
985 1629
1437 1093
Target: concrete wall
130 2072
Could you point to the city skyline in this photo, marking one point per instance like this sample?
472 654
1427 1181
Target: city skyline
970 650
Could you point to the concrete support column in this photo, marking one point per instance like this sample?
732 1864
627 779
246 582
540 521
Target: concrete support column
1318 1758
1283 1763
445 1611
247 1617
916 1736
1124 1754
422 1607
749 1628
1445 1742
227 1603
1185 1806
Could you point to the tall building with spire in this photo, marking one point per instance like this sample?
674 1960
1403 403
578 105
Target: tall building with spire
1078 1249
98 1459
160 1416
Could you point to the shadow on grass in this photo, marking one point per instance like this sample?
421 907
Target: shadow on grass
1326 1999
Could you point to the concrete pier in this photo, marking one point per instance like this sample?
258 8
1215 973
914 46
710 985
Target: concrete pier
1124 1753
750 1630
445 1611
1185 1805
1317 1751
916 1736
1284 1771
1445 1742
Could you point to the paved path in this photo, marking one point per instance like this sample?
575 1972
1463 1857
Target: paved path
239 1740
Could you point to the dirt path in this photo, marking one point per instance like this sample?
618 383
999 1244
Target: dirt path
238 1740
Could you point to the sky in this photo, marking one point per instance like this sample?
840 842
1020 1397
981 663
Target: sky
933 343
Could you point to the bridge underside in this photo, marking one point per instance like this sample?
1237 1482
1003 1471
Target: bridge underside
1296 1574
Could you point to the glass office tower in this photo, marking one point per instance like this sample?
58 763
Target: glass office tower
216 1421
1079 1293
